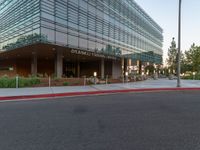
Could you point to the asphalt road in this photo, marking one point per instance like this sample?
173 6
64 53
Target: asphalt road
150 121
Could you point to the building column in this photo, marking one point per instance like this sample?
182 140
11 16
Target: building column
129 63
59 64
139 66
116 69
125 65
102 68
34 64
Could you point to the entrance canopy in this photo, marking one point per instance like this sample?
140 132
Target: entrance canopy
48 51
60 61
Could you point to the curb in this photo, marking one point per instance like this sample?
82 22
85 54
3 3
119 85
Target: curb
71 94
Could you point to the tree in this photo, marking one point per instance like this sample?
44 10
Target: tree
150 68
193 58
184 64
172 56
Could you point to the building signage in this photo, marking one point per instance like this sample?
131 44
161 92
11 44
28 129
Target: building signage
88 53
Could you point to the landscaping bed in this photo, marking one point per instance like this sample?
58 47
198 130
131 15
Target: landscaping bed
7 82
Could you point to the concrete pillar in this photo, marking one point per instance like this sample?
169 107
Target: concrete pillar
78 69
102 68
59 64
116 69
34 64
125 65
140 67
129 63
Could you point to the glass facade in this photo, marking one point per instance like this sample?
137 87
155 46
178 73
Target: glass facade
20 23
113 27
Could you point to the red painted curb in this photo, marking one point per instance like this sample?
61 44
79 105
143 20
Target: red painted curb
93 93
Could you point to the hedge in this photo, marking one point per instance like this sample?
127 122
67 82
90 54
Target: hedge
192 77
6 82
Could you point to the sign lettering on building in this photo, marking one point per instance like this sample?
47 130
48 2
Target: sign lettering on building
92 54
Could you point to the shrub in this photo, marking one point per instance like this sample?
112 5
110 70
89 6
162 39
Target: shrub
192 77
34 81
66 84
56 79
89 82
6 82
76 83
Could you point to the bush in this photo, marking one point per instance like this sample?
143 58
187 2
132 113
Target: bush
28 82
35 81
6 82
70 83
56 79
192 77
66 84
76 83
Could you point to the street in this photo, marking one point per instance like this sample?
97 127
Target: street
131 121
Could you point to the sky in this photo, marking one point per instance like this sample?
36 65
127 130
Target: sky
165 13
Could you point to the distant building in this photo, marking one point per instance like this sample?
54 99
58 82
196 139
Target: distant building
74 38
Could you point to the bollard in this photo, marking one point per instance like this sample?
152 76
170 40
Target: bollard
193 75
95 80
106 79
126 77
84 80
17 82
49 81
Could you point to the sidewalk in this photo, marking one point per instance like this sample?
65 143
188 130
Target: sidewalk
148 85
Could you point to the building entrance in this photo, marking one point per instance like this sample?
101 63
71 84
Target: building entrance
69 69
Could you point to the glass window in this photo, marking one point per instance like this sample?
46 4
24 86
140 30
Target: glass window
83 29
73 26
99 46
61 38
73 41
83 4
50 34
91 45
83 43
47 16
61 21
72 32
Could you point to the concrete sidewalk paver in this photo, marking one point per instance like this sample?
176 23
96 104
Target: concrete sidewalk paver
110 87
148 84
43 90
70 89
25 91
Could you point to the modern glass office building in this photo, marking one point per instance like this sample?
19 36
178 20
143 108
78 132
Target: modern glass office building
74 33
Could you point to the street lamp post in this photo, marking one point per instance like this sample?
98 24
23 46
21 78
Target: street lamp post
194 73
179 46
